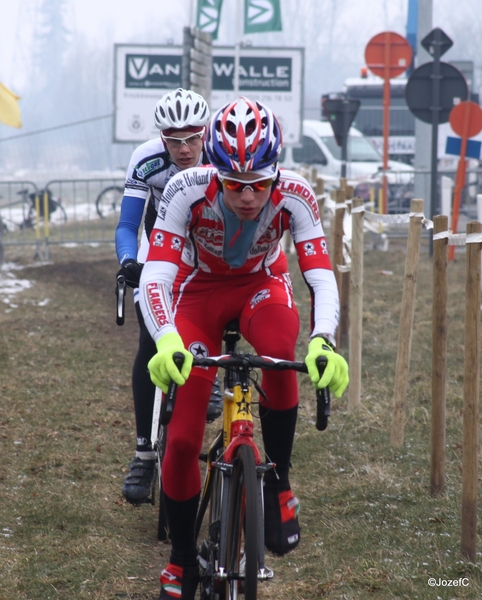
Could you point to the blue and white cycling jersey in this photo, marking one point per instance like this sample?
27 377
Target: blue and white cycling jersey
150 169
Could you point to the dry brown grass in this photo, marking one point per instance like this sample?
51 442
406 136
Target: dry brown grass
370 527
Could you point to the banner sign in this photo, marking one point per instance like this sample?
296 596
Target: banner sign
143 74
256 73
273 76
162 71
261 16
208 16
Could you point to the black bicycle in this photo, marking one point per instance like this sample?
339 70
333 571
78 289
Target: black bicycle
35 206
109 201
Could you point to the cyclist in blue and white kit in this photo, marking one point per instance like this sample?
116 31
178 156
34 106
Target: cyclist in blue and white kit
181 116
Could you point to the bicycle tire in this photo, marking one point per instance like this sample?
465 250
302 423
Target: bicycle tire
62 212
242 543
162 526
210 494
211 500
109 201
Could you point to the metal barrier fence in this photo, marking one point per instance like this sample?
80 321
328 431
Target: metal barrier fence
77 211
86 211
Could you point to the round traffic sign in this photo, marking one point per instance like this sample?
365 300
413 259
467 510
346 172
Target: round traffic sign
388 54
419 91
466 119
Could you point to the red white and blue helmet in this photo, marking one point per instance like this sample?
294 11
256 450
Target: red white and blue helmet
243 136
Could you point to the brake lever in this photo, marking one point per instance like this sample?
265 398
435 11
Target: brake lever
167 405
120 292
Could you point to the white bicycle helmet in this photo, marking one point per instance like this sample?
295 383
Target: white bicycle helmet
180 109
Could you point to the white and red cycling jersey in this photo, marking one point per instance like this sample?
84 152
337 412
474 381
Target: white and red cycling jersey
189 236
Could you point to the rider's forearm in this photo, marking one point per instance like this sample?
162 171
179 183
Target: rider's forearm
155 297
325 309
126 234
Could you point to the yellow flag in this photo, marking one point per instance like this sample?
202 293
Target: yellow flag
9 108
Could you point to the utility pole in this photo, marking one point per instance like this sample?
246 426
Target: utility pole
423 135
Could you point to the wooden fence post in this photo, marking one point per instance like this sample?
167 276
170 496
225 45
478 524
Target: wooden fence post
320 197
345 284
406 324
313 176
338 247
439 357
356 304
471 394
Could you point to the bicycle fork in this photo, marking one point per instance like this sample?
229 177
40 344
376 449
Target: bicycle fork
238 430
263 571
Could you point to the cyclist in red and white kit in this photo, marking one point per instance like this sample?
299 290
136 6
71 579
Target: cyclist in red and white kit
226 222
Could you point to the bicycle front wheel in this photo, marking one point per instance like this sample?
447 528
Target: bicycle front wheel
109 201
242 543
162 526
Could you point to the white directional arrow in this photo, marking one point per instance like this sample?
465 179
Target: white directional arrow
260 11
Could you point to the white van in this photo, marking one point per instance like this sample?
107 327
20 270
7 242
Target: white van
320 150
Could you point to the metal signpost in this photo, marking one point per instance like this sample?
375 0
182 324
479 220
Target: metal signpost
197 64
144 73
341 112
387 55
431 92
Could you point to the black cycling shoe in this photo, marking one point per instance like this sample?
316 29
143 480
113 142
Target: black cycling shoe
215 406
137 484
281 526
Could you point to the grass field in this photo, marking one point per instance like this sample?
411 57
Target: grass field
370 529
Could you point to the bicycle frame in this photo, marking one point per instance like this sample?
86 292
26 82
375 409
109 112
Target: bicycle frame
238 430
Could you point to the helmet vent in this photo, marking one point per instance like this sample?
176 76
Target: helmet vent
231 128
250 126
178 110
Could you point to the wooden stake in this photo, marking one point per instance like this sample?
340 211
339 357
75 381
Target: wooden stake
439 357
406 324
320 191
338 248
471 396
345 285
356 306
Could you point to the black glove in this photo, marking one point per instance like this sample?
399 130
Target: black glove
131 270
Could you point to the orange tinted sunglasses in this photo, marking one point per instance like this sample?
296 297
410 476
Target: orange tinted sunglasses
238 187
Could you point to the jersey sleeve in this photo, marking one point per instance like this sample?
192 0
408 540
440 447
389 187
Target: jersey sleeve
163 258
136 192
312 252
127 230
155 297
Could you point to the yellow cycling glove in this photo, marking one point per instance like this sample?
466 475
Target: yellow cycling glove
162 366
335 376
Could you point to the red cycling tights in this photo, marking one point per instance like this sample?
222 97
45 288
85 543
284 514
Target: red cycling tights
272 331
